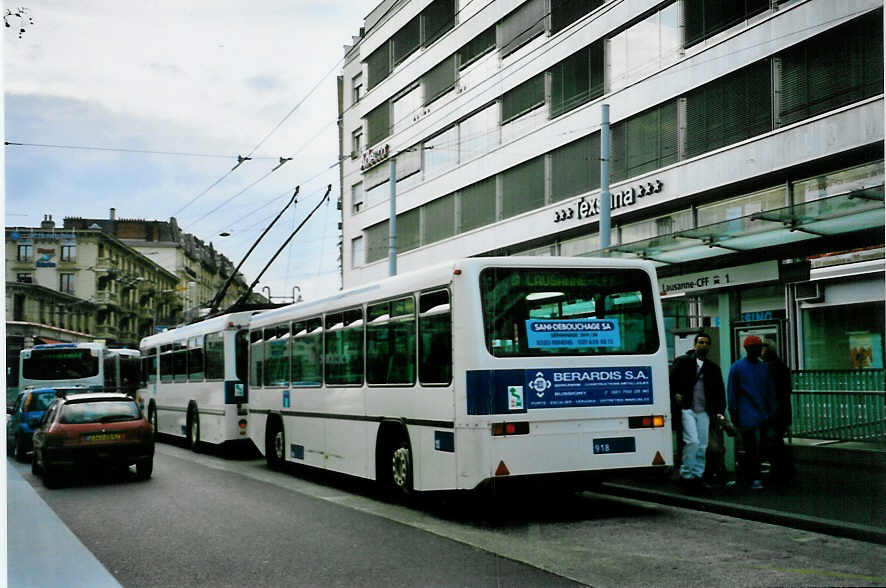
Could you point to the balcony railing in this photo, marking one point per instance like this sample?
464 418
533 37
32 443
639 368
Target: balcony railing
843 405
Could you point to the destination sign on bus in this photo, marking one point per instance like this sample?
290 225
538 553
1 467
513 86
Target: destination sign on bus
572 333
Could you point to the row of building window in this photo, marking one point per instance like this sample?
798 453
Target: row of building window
387 343
26 253
722 112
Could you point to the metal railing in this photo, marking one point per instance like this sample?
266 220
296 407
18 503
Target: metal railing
842 405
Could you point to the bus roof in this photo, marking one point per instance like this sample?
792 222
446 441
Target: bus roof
212 325
434 276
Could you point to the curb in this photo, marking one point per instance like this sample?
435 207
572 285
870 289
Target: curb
764 515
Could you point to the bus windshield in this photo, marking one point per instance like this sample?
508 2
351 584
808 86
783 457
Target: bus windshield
558 312
59 364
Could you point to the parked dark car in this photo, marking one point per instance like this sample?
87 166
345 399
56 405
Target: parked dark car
80 431
24 416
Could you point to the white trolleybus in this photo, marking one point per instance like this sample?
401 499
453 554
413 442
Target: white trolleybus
194 380
91 366
468 373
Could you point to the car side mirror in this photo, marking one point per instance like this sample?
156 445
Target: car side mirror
34 422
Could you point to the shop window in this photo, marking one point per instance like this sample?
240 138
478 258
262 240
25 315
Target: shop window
575 168
477 205
440 79
525 97
577 79
769 199
839 182
439 219
580 245
377 239
705 18
655 227
644 47
521 26
838 67
644 142
843 337
523 187
730 109
566 12
408 230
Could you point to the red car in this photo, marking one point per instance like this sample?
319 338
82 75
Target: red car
83 430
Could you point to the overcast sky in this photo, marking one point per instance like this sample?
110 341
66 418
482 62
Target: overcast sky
198 77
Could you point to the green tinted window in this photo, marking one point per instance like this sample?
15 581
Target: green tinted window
435 338
276 367
540 311
344 348
390 342
214 353
307 353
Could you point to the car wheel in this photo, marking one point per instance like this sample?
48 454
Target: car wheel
20 454
145 468
401 469
193 428
275 445
152 417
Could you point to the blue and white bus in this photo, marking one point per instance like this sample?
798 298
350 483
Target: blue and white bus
194 380
468 373
91 366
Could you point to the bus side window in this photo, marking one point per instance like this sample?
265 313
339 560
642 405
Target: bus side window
180 361
241 355
167 370
195 359
390 342
435 338
256 355
214 355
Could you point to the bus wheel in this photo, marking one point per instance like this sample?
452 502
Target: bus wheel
193 427
275 444
401 468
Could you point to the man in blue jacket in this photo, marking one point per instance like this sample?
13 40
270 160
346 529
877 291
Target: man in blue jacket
751 399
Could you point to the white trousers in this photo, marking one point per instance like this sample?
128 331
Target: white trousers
695 443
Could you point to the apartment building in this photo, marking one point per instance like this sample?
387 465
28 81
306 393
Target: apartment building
746 154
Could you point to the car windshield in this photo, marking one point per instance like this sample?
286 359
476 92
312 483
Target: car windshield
100 411
38 401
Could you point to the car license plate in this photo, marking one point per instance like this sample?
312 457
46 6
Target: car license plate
103 437
615 445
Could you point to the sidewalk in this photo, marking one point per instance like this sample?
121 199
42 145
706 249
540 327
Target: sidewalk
838 489
41 550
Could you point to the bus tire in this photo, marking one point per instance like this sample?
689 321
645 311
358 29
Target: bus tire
400 464
275 444
193 427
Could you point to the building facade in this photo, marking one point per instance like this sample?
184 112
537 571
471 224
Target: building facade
67 285
745 154
200 269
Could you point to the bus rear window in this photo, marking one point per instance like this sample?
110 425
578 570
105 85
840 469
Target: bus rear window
568 311
60 364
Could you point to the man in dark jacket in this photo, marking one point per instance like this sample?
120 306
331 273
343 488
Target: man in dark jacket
778 424
698 394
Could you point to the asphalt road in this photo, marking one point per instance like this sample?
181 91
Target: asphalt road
207 521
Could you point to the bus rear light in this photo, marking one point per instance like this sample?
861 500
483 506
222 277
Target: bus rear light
646 422
499 429
242 423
